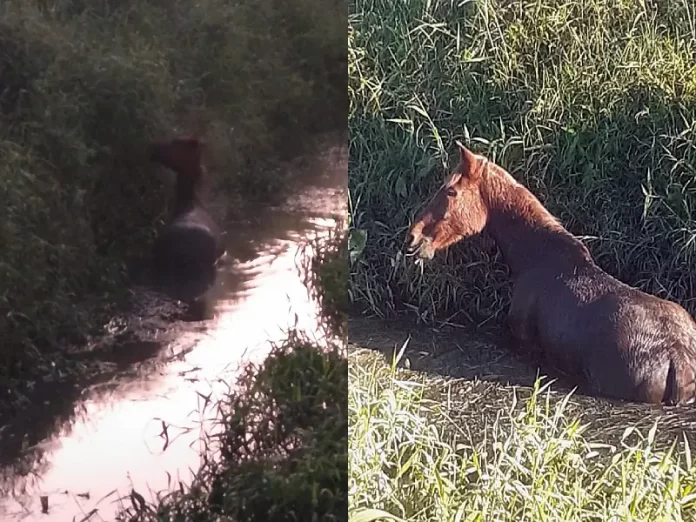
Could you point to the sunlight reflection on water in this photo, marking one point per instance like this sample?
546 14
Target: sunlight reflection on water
117 440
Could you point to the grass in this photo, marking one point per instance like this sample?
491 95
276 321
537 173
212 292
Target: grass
84 86
412 458
280 451
326 276
590 103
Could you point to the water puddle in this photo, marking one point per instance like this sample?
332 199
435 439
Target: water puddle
144 432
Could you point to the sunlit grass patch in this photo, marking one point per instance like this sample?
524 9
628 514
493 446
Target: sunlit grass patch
532 462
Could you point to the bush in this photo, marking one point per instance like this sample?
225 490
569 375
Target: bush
282 445
326 277
591 104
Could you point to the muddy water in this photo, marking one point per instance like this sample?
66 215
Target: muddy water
143 432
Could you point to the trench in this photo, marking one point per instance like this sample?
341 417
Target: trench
473 370
143 429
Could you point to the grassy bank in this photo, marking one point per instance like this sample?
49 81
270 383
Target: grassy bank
590 103
85 85
281 455
423 457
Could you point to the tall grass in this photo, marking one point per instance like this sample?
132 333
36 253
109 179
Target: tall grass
326 277
410 459
590 103
85 85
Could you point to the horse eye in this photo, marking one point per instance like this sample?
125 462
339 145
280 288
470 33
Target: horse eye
451 192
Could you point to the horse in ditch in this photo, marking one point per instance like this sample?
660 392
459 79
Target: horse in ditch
189 247
613 340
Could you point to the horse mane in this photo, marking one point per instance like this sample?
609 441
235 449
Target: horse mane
502 191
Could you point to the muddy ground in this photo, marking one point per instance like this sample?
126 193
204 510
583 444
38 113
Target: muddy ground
477 375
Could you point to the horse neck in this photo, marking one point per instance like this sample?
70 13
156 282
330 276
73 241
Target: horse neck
186 194
527 235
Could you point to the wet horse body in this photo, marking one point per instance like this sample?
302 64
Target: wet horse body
615 340
188 248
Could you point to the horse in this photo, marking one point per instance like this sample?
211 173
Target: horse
187 251
613 340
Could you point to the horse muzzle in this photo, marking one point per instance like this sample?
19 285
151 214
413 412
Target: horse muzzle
420 245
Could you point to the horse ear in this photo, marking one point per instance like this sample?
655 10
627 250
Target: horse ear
468 161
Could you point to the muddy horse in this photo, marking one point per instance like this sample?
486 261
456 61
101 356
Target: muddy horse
188 248
611 339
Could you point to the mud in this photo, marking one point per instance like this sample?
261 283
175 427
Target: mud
472 371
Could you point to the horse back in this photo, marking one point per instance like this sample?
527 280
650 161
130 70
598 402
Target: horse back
623 341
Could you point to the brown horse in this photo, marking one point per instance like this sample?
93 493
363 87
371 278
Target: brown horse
188 248
612 339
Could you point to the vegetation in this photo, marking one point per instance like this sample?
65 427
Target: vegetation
326 277
85 85
416 458
590 103
281 450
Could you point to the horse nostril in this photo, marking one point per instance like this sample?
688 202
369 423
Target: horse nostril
413 241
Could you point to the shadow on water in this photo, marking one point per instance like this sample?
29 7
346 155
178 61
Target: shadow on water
141 428
474 368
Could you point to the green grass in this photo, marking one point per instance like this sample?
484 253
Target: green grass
411 458
326 275
590 103
281 453
85 85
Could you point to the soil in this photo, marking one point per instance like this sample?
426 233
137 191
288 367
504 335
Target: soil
478 376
